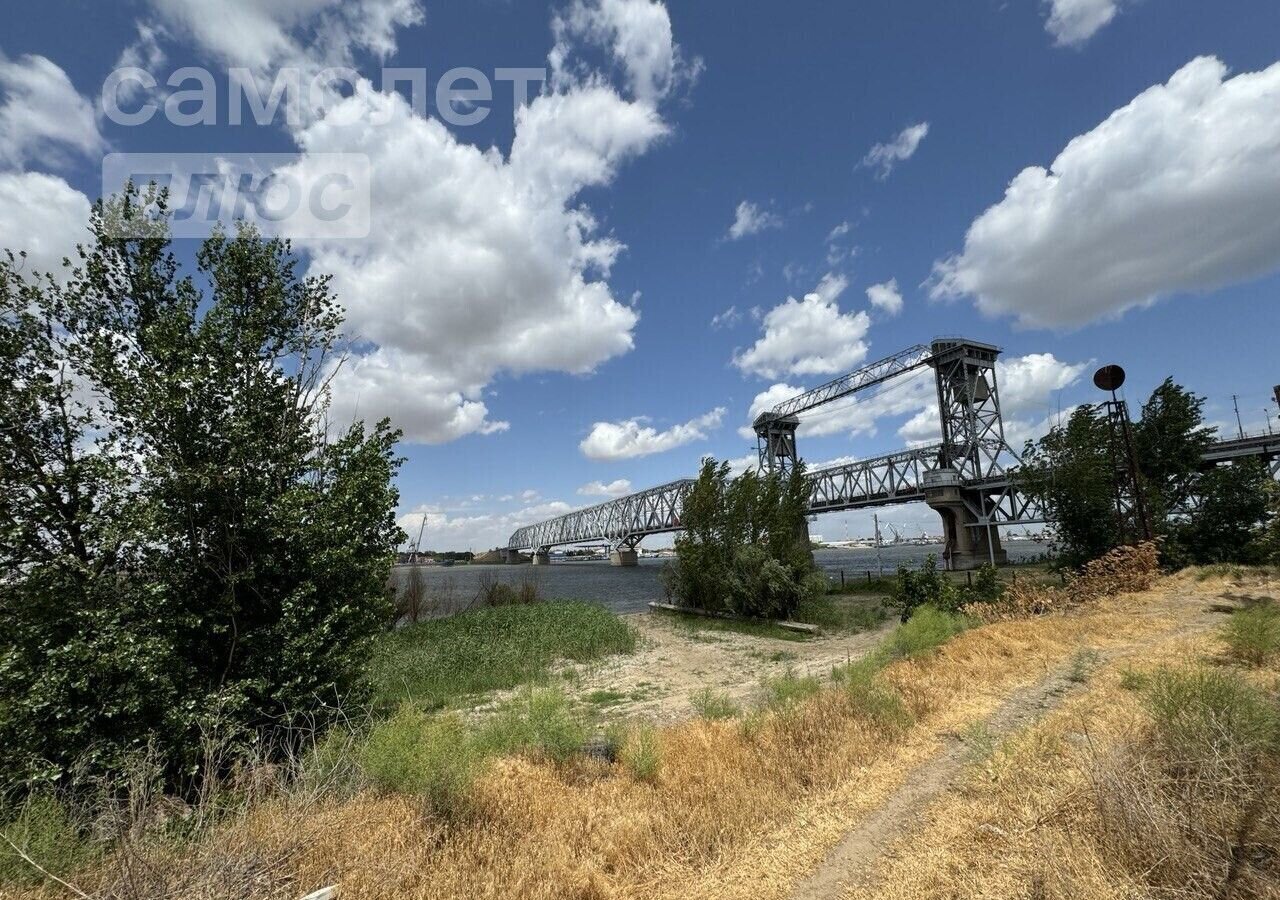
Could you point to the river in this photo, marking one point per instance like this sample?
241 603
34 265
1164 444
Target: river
627 590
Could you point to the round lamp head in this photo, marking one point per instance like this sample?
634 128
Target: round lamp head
1109 378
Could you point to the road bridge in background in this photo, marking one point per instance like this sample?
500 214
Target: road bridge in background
967 477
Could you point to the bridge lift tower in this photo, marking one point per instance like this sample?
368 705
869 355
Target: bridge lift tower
967 480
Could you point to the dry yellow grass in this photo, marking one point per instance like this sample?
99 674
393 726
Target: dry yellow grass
737 809
1029 820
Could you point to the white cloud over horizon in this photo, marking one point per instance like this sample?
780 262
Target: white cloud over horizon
631 438
1180 190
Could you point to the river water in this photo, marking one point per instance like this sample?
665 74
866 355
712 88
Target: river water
626 590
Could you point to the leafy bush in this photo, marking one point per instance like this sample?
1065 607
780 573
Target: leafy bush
200 545
45 832
1253 635
927 629
927 587
434 756
986 587
540 722
744 547
714 705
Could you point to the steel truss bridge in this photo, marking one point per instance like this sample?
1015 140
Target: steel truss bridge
966 477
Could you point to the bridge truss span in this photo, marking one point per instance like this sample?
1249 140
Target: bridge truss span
622 522
879 481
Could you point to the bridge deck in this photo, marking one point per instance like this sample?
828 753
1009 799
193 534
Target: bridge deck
863 484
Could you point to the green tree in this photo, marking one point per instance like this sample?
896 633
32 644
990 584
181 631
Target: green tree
745 547
1205 514
1230 521
183 537
1169 442
1070 469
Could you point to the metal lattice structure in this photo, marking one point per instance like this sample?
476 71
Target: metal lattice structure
967 476
973 440
894 478
776 428
622 522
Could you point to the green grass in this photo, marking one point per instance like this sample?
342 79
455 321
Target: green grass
540 722
1210 713
842 612
606 697
1133 680
714 705
43 830
641 752
1083 663
870 696
788 689
437 663
437 757
704 627
926 630
1253 634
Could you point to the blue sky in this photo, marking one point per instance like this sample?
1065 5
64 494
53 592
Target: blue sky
540 319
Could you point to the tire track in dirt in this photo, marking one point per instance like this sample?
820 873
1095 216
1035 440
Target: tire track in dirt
854 858
854 861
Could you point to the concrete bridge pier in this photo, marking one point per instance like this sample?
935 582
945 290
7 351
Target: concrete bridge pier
967 544
542 557
624 556
514 557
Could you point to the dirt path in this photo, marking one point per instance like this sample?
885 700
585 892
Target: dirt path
674 662
855 858
854 862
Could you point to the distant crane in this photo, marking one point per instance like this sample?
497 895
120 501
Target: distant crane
417 545
897 535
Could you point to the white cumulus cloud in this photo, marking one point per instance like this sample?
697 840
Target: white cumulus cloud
43 216
886 296
263 35
749 219
616 488
810 336
1177 191
884 157
1072 22
633 437
42 116
479 263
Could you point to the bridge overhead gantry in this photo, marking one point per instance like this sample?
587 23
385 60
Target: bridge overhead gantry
965 478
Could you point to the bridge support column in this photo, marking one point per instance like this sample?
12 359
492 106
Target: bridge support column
967 545
542 557
624 556
516 558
